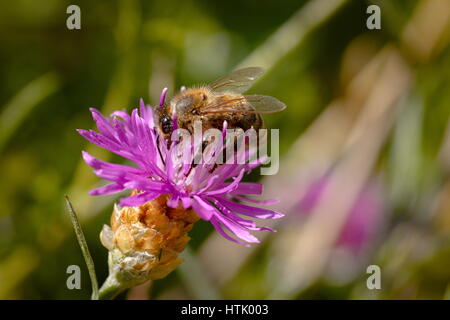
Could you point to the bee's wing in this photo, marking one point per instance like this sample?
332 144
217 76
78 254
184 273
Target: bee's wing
265 104
238 81
260 104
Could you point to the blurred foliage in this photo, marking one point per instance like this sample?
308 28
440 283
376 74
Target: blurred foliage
125 50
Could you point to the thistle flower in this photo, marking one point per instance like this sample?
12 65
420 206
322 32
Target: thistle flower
168 195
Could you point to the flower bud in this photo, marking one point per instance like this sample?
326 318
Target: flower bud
144 243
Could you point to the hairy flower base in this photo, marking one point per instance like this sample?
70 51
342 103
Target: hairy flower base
144 242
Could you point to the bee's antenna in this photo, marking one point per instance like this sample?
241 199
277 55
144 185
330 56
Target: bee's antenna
162 98
224 129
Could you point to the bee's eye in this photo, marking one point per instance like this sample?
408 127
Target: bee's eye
166 124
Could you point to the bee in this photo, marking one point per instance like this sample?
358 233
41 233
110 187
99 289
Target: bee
221 100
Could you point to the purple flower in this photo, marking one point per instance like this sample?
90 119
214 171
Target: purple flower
160 170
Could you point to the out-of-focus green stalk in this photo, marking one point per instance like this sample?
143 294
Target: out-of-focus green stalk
23 103
406 141
84 248
117 97
15 268
292 33
193 276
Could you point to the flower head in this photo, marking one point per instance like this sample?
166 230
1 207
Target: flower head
210 190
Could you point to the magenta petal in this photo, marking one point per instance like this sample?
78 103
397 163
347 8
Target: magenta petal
121 114
262 229
162 98
103 124
202 208
238 230
146 113
138 199
173 202
251 211
219 229
100 164
147 185
186 202
229 187
110 171
260 202
248 188
108 189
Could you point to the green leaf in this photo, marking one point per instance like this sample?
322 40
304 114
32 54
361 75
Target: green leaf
84 249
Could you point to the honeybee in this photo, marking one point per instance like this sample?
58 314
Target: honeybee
219 101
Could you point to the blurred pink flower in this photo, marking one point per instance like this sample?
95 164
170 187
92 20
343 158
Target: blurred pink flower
363 220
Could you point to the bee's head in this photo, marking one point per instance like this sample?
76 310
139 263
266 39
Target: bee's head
164 120
165 123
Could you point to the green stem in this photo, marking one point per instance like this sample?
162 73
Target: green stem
84 249
111 288
22 104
